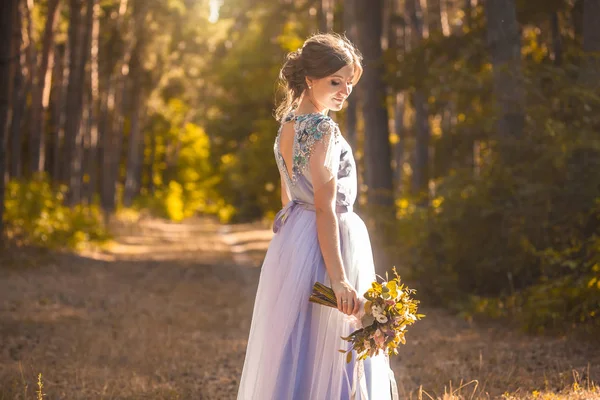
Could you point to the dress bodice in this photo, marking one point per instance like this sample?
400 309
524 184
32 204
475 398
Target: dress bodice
317 137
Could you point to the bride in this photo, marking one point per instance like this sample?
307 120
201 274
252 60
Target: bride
293 345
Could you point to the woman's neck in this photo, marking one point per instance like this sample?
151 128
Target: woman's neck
308 106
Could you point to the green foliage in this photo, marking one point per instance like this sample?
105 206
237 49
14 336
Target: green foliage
35 214
240 123
191 185
522 237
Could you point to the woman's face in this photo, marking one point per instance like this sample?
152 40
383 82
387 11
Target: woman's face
331 92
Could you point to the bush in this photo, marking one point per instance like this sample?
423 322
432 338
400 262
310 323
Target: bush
523 237
35 214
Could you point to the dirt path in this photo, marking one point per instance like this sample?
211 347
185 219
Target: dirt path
165 314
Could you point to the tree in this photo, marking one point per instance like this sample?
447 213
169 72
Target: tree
79 44
591 42
325 15
18 98
434 16
504 42
397 36
556 38
91 161
378 170
352 101
40 90
7 8
58 108
74 94
136 139
422 134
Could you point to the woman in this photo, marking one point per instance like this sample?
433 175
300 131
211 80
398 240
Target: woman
293 346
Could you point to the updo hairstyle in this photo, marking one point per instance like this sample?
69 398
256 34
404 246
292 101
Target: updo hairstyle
320 56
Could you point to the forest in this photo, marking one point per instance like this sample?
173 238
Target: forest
475 126
139 185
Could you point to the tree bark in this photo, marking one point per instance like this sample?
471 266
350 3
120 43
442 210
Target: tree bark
400 146
18 97
325 15
61 78
74 88
468 14
39 89
7 8
92 161
111 119
591 42
378 170
351 109
556 39
135 155
397 44
150 166
505 47
79 38
422 134
434 16
134 158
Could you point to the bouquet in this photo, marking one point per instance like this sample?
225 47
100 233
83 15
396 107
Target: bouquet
387 309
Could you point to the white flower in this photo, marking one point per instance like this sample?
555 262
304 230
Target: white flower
376 310
409 317
382 319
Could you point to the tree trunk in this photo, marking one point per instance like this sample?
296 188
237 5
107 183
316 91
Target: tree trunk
504 42
434 17
74 89
59 94
422 134
111 120
107 190
151 160
468 14
134 157
400 146
377 144
396 42
73 134
325 15
18 98
591 43
39 90
556 39
7 8
351 109
92 164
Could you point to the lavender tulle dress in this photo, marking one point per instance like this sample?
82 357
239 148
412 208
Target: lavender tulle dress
292 351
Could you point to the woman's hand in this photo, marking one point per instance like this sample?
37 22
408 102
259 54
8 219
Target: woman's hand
346 296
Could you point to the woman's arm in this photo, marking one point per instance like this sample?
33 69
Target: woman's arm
329 242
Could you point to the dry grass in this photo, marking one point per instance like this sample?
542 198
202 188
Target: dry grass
164 313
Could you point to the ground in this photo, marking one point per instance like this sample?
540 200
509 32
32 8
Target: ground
164 313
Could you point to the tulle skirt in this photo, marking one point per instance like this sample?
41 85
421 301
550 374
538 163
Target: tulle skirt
293 345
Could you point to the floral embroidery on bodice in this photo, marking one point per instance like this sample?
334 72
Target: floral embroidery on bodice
309 129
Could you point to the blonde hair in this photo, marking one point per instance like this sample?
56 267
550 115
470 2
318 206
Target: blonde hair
320 56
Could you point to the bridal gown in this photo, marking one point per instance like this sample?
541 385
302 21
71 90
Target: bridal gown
293 345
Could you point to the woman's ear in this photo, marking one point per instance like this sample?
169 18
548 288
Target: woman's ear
308 82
